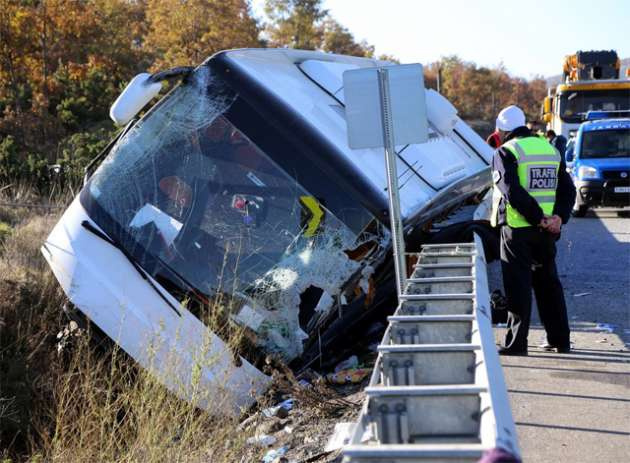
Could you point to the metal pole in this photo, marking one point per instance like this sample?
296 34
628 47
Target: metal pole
398 243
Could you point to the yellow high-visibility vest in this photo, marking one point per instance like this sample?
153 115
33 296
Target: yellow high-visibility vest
538 166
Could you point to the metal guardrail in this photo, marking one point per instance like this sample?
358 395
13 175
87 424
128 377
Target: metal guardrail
437 392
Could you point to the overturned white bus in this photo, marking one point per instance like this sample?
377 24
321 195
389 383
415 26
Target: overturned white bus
235 203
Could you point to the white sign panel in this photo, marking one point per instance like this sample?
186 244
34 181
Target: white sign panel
407 103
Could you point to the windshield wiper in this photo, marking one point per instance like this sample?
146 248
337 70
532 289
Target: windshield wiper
91 228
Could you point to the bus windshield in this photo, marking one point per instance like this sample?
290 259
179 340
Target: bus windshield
575 104
206 212
613 143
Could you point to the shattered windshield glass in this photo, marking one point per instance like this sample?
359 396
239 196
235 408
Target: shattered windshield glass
203 209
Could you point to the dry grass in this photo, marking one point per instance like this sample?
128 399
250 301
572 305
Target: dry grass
87 403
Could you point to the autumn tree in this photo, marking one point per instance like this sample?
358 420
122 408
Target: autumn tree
63 62
338 39
61 65
187 32
295 23
480 92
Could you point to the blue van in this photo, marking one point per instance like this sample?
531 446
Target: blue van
599 161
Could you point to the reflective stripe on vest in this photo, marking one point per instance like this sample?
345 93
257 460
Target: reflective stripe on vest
538 164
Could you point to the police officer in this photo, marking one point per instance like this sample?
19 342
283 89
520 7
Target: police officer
533 196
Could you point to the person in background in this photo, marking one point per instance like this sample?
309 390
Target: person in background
558 141
532 198
494 139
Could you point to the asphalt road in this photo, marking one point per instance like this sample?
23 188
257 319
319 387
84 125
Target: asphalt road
576 407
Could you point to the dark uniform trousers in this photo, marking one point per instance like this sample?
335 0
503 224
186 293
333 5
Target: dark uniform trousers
528 261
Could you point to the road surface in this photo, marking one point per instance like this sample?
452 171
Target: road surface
576 407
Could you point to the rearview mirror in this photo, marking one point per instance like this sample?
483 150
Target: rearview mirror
568 155
133 98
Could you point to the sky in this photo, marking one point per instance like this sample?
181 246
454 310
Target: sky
530 38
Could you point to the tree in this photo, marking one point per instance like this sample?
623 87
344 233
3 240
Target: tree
182 33
295 23
338 39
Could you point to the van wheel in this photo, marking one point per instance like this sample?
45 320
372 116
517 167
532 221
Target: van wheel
580 211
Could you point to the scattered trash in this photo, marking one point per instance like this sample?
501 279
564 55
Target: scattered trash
353 376
347 364
305 384
65 336
281 410
581 294
269 426
605 327
289 429
262 440
340 437
272 454
246 423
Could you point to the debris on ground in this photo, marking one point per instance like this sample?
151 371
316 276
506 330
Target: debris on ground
340 437
299 418
281 410
351 376
581 294
262 440
347 364
275 455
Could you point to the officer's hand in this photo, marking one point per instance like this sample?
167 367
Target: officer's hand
554 224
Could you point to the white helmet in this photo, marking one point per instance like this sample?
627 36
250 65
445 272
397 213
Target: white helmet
510 118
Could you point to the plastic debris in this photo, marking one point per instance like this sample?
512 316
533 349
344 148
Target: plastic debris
272 454
581 294
340 437
262 440
281 410
305 384
352 376
350 362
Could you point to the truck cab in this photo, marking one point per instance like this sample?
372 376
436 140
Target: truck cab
591 81
599 161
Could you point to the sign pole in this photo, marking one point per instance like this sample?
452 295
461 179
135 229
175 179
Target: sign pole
398 243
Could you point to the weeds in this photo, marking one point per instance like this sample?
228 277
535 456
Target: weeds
84 403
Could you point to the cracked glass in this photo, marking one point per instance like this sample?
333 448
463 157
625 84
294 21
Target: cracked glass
204 210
